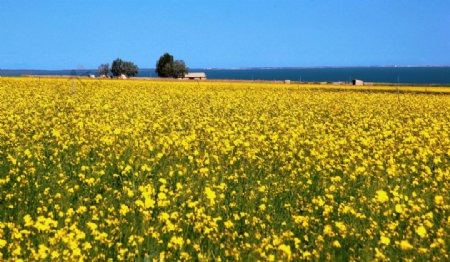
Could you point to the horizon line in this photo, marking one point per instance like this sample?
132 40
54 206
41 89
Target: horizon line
245 68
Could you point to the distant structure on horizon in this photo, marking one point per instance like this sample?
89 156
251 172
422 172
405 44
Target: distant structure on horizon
195 76
357 82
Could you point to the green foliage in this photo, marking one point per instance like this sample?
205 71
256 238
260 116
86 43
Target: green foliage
164 65
103 69
179 69
120 67
168 67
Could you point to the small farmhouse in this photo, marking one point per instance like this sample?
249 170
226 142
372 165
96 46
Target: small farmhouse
195 76
357 82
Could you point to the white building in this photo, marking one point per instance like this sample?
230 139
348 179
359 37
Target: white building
195 76
357 82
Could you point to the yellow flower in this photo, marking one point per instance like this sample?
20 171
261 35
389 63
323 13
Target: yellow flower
306 255
124 209
336 244
176 242
385 240
12 160
54 254
28 220
148 201
328 231
17 251
438 200
162 200
92 226
45 224
421 231
211 195
43 251
423 250
2 243
262 207
379 255
382 196
341 227
27 152
228 224
399 209
285 249
56 133
262 189
405 245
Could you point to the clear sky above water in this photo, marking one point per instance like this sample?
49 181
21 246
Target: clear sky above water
68 34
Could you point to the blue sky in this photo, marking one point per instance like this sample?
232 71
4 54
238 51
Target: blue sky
67 34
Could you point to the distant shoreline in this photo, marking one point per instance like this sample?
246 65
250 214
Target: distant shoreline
244 68
424 75
371 87
324 83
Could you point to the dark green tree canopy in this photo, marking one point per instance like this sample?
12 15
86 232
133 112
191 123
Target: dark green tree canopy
103 69
179 69
127 68
168 67
164 66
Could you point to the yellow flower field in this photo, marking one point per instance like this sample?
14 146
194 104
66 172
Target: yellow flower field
147 170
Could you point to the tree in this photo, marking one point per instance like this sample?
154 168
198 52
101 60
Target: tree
130 69
164 66
168 67
179 69
103 69
120 67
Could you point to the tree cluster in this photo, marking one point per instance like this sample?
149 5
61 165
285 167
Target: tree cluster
120 67
165 67
103 70
168 67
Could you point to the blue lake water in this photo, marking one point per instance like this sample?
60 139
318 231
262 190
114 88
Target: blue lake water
413 75
416 75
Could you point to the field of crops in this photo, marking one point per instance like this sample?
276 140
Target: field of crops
143 170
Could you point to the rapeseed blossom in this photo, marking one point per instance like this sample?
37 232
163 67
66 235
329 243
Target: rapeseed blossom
421 231
210 195
173 170
405 245
382 196
385 240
